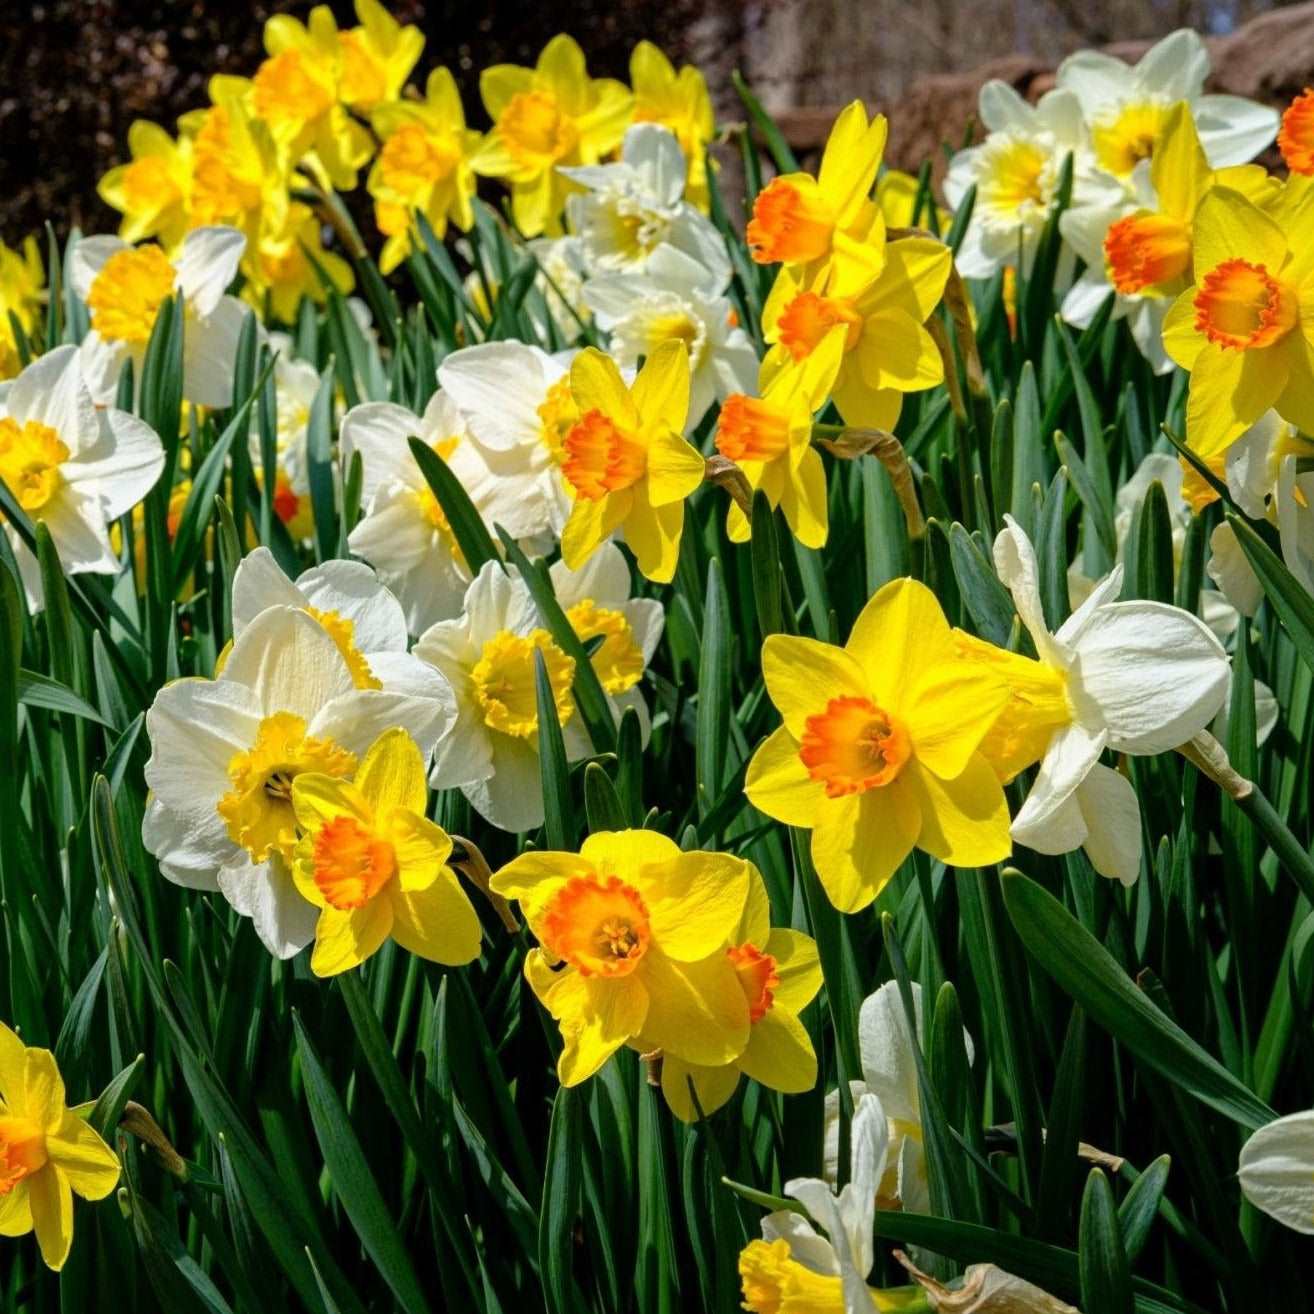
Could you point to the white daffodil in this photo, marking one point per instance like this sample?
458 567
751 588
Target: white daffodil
362 617
1126 106
1277 1171
224 753
123 287
487 655
889 1071
404 532
670 300
632 208
516 404
596 600
1264 478
831 1269
1016 173
71 465
1138 678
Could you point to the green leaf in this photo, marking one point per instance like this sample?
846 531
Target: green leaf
561 1186
766 125
768 578
558 812
986 599
602 804
1059 1162
1140 1206
712 728
1088 974
37 690
319 465
467 525
1102 1261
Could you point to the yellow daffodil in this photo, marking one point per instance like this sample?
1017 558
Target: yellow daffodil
806 223
633 935
896 194
47 1152
278 268
887 350
679 102
152 190
770 439
624 461
237 177
1296 138
780 975
879 752
423 164
1245 330
22 293
376 58
296 92
375 866
774 1282
549 115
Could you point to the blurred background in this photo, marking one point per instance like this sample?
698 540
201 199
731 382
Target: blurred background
75 73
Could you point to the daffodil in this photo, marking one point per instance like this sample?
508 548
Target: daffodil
1296 138
22 294
225 754
517 408
887 350
879 752
550 115
375 866
897 194
376 57
673 301
237 171
632 937
770 438
404 533
780 974
794 1267
279 269
624 461
123 288
1276 1171
678 102
71 465
1245 330
1016 173
297 91
47 1152
1141 249
152 190
1133 677
830 221
423 164
1127 107
630 209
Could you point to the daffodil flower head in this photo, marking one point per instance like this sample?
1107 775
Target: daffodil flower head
376 58
887 350
770 439
72 466
1245 330
624 459
780 974
375 866
1296 138
680 103
22 284
879 752
553 114
152 190
633 935
47 1152
279 268
805 222
1138 677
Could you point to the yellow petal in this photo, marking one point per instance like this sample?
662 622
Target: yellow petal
695 904
596 385
852 157
91 1167
713 1086
964 820
653 533
802 675
628 852
803 501
1181 339
1230 390
13 1065
345 938
897 636
438 922
318 798
864 407
1229 227
421 848
51 1201
697 1011
587 528
15 1212
916 271
780 1053
562 71
43 1094
596 1016
391 774
895 351
498 84
860 840
755 922
797 966
675 467
949 712
1179 169
779 784
661 390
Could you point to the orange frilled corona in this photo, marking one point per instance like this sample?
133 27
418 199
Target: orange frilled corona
853 746
600 457
791 222
1296 138
1143 251
751 429
598 925
757 975
351 863
1241 305
807 319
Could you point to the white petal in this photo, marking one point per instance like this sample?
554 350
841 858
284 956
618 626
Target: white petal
498 387
1048 820
76 522
258 583
885 1042
210 351
89 257
208 265
1002 109
1015 564
1234 130
266 893
128 461
190 849
1152 674
288 660
1113 823
354 591
1096 595
1230 569
51 391
395 536
604 577
811 1250
1277 1171
378 431
654 154
356 719
102 362
1176 67
511 798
